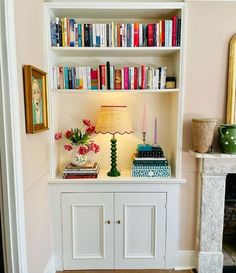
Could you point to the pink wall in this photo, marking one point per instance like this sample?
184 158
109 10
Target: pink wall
29 43
210 26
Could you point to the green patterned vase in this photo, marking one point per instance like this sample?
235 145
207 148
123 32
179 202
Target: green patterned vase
227 138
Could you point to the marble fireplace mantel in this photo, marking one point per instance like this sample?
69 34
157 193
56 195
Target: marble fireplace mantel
212 171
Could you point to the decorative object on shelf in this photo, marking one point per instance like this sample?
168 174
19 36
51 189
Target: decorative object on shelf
144 124
203 133
170 82
113 120
227 138
80 142
87 171
36 108
231 105
149 161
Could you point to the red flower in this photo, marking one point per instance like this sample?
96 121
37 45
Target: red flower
68 147
87 122
68 134
90 130
82 150
58 135
93 148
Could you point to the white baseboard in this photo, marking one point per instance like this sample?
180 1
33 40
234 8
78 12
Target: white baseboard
50 267
185 260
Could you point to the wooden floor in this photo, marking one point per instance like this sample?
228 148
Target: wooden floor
126 271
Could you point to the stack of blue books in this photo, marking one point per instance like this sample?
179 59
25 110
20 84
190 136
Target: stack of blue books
150 161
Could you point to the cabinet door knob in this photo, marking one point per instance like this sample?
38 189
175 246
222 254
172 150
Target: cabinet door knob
118 221
108 222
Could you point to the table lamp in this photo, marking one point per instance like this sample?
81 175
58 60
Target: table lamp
113 120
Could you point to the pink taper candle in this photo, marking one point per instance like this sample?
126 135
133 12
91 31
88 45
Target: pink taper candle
155 131
144 118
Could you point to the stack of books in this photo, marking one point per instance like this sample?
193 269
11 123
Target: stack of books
108 77
149 161
72 33
88 170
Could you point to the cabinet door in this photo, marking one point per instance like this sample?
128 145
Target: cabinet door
140 221
87 220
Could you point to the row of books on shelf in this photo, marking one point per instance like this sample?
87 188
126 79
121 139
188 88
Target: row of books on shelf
69 32
107 77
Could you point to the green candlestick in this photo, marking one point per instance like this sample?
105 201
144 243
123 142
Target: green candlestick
113 171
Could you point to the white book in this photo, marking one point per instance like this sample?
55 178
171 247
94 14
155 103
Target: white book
132 78
155 79
163 77
157 34
122 79
58 77
112 76
148 158
82 34
170 33
105 34
54 73
124 37
76 34
81 84
110 35
132 35
139 78
85 86
166 33
140 35
102 37
150 78
97 33
88 70
94 35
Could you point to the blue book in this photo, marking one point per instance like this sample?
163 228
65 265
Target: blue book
129 29
72 32
66 78
53 33
73 75
79 35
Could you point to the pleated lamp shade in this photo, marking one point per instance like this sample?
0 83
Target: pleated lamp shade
113 120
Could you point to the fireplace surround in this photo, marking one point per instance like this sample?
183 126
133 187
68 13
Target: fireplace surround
212 171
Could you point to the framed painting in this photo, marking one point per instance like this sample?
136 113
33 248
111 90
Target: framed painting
35 89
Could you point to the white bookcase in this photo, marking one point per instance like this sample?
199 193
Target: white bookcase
69 107
71 200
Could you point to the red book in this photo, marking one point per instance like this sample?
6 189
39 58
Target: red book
150 36
118 34
136 34
118 79
102 74
135 78
143 74
94 79
174 30
163 33
126 78
61 77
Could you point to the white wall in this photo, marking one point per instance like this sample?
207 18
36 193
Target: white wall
209 29
29 42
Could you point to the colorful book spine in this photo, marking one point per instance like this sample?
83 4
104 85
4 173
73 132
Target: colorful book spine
53 33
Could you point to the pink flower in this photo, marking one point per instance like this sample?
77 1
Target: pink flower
90 130
82 150
87 122
58 135
68 147
68 134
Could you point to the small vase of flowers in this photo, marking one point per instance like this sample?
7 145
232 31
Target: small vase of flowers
80 142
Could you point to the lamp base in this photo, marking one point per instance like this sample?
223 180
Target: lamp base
113 171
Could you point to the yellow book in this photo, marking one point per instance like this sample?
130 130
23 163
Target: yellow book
112 34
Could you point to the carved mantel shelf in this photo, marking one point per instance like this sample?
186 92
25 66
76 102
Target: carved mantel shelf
213 168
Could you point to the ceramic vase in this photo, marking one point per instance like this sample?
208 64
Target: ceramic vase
227 138
203 133
76 158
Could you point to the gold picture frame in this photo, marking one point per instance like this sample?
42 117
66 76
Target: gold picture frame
35 90
231 103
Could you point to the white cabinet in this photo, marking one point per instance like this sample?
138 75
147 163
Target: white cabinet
87 230
129 235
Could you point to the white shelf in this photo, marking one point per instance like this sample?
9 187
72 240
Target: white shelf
114 51
125 178
138 91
